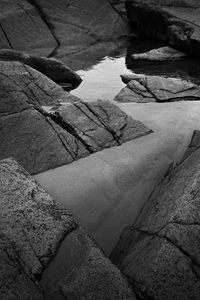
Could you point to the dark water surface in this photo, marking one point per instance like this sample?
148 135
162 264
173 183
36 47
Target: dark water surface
101 65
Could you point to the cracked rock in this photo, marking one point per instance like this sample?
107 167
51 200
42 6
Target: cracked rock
144 89
22 28
160 253
44 253
175 22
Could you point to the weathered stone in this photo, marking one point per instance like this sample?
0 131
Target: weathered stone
160 54
100 124
144 89
80 271
52 68
22 84
194 144
176 22
160 252
80 23
22 28
32 227
44 253
37 142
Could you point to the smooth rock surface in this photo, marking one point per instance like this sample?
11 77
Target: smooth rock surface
160 252
144 89
176 22
160 54
52 68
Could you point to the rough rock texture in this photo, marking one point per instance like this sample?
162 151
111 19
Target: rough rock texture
175 22
194 144
100 124
144 89
84 272
160 252
32 228
42 26
119 6
41 140
22 28
160 54
52 68
44 253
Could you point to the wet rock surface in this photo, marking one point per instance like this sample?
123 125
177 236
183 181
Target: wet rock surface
52 68
44 253
160 252
174 22
194 144
159 89
160 54
41 140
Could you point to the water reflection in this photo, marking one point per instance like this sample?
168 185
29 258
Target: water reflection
101 66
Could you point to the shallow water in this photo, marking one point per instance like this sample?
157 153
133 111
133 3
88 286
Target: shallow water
101 70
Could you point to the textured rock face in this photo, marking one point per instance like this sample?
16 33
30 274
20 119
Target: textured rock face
42 26
22 28
175 22
160 252
52 68
194 144
44 253
160 54
40 140
144 89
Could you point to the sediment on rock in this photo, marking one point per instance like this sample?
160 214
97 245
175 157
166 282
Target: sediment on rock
159 254
44 253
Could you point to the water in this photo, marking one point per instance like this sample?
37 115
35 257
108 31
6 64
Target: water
101 67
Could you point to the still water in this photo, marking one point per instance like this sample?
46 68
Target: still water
101 71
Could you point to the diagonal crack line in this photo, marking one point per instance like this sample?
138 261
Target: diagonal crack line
184 252
107 127
70 129
6 36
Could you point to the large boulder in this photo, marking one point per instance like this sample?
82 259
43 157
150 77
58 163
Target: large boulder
144 89
44 253
175 22
52 68
22 28
160 252
41 139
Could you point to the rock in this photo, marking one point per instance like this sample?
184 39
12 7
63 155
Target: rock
100 124
42 139
194 144
20 83
174 22
22 28
80 23
144 89
160 252
52 68
45 254
160 54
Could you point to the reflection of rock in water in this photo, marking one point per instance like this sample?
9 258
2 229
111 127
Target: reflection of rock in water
187 68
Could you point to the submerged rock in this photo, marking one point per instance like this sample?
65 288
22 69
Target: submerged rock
160 252
175 22
144 89
44 253
160 54
52 68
